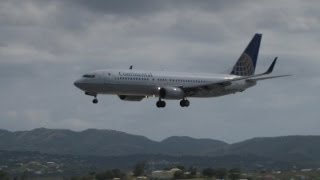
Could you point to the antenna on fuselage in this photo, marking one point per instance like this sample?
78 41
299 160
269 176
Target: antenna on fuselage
130 67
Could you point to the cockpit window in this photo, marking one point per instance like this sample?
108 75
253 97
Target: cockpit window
89 76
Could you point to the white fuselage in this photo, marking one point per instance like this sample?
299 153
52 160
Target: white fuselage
147 83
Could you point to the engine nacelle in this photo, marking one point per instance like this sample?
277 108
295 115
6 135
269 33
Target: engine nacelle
130 98
171 93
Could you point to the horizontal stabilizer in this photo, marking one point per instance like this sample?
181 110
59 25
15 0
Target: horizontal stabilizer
264 78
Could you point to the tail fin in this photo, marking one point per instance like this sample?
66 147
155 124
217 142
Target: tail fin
246 63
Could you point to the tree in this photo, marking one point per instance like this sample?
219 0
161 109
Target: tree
92 173
24 175
4 175
105 175
193 172
117 173
182 168
109 174
139 169
208 172
178 175
234 173
221 173
74 178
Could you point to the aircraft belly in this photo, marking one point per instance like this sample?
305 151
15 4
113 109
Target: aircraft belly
127 89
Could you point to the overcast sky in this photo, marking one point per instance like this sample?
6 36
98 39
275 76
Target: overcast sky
47 44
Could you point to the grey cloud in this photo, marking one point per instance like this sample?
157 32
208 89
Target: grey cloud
13 70
120 7
145 7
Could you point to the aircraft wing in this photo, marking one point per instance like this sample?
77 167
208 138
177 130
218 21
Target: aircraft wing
227 82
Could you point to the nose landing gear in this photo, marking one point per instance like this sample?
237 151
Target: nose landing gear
95 100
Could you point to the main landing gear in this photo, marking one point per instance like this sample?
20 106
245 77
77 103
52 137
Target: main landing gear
183 103
161 104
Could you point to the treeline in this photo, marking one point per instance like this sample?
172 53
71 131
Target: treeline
222 173
219 173
108 174
140 169
73 162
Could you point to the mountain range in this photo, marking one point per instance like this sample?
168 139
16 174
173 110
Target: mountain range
94 142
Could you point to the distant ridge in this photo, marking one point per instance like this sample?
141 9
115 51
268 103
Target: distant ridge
115 143
87 142
183 145
285 148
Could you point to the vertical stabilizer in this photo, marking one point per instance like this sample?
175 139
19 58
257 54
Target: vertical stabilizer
246 63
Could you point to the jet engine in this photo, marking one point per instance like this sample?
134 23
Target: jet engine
130 98
171 93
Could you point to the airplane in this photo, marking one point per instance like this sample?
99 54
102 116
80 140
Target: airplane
135 85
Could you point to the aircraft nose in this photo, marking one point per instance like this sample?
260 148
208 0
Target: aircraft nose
77 83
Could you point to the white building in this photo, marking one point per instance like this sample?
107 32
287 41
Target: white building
164 174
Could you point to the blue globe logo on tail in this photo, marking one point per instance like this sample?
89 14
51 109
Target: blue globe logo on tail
244 66
246 63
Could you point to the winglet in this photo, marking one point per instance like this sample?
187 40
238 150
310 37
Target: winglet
271 66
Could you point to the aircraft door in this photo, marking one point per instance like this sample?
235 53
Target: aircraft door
108 79
106 76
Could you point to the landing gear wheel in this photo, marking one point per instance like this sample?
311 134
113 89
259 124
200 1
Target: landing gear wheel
95 101
184 103
161 104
